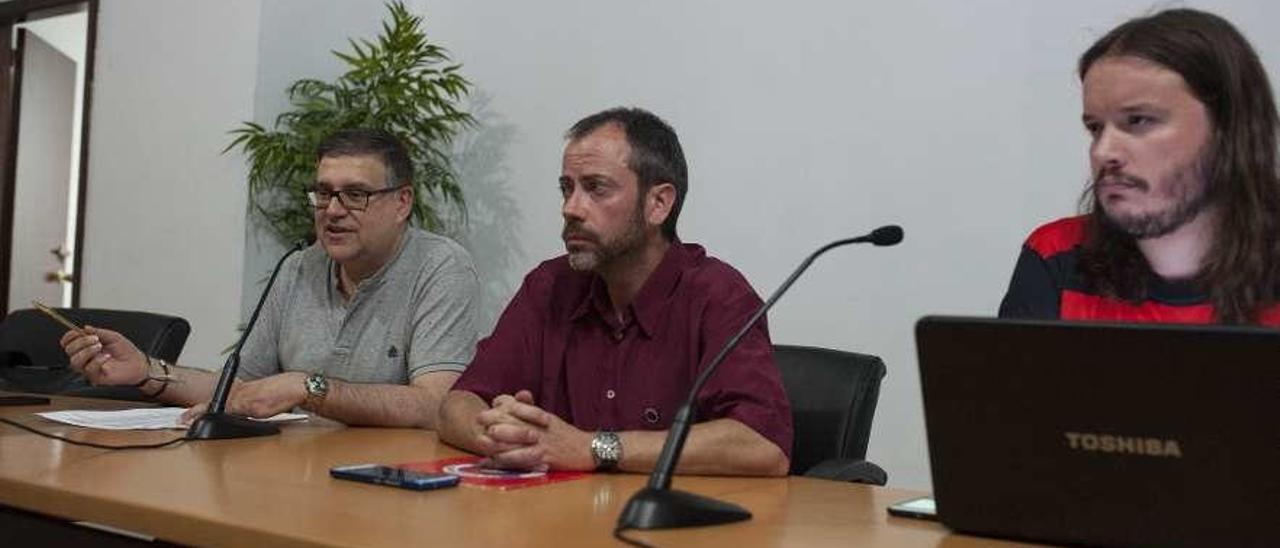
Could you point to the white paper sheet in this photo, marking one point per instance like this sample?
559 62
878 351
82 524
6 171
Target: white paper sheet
149 418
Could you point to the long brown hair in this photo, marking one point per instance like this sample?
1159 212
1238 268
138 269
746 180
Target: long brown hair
1240 272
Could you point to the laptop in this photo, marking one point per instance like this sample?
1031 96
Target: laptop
1103 434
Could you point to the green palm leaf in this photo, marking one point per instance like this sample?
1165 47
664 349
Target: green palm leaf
399 82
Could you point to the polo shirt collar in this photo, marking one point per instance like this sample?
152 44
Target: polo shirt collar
378 277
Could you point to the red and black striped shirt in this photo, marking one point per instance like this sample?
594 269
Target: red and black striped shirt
1047 284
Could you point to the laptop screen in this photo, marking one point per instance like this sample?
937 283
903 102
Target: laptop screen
1115 434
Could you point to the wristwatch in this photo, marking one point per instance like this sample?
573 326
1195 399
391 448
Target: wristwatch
317 386
606 450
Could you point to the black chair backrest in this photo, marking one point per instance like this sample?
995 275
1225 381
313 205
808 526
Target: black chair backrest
31 360
28 337
833 400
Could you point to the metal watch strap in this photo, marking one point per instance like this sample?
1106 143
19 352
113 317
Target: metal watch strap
606 450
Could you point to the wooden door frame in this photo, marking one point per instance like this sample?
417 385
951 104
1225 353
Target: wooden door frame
17 11
8 134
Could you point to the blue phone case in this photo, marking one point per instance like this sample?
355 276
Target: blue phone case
394 477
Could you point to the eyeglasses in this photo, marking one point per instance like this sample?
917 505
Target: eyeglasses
353 199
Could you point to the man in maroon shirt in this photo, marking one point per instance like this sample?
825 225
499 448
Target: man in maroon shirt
595 353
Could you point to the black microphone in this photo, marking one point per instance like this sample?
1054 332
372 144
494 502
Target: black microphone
215 423
657 506
884 236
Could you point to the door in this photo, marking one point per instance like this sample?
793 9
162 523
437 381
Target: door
44 175
49 62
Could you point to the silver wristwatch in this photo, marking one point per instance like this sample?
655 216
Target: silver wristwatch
606 450
317 386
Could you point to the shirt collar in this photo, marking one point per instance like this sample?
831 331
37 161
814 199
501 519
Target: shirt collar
654 296
372 281
1176 292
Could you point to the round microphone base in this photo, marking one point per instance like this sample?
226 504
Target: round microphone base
653 508
221 426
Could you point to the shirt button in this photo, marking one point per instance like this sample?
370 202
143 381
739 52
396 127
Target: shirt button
617 335
609 394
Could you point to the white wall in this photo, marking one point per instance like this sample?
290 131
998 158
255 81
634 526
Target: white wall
165 210
808 121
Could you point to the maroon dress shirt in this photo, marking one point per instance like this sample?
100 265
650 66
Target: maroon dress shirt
559 339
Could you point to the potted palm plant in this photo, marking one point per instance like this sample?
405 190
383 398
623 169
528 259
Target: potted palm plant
399 82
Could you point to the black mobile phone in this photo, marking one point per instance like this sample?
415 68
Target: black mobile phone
395 477
23 400
918 508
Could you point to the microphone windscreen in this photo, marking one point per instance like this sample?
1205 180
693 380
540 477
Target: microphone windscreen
886 235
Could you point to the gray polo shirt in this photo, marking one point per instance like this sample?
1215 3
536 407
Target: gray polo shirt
415 315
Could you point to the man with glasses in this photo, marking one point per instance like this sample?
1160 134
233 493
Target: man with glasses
371 326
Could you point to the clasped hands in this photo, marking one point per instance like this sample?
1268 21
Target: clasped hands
517 434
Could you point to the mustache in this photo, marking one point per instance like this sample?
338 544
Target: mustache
1109 177
574 230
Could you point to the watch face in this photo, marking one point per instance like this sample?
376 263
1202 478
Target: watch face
317 385
606 447
611 452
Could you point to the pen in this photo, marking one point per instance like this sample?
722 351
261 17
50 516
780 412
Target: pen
57 317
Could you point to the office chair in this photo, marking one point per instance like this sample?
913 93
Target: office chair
31 359
833 399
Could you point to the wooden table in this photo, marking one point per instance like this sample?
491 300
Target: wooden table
276 491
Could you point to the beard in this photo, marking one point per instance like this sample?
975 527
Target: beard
607 250
1187 193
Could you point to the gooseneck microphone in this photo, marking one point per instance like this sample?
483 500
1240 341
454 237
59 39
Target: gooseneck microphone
216 424
657 506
